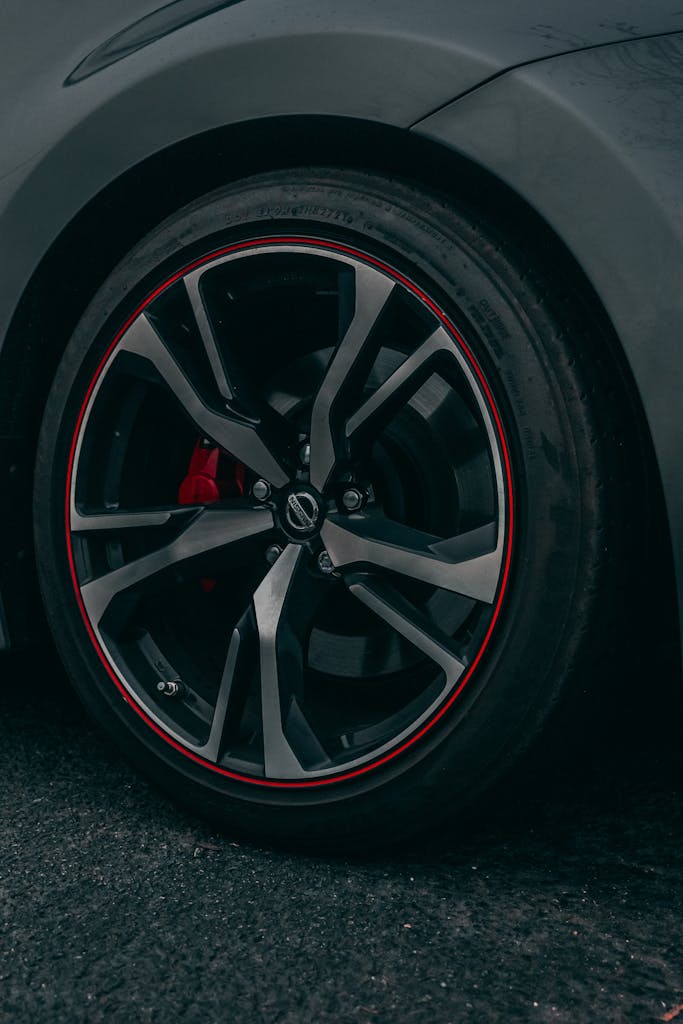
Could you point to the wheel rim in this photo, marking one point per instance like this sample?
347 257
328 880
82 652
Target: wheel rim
333 567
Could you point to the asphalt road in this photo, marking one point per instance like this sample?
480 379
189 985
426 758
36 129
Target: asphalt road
116 907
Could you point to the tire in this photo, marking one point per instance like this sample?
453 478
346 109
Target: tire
500 443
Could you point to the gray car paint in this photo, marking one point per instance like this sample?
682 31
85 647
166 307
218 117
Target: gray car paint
87 91
387 61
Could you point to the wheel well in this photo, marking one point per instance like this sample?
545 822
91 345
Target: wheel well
118 217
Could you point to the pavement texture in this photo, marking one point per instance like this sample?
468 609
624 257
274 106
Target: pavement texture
117 907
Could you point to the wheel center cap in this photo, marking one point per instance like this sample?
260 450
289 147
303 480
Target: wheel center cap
302 511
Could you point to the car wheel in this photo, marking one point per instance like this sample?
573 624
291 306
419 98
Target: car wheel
320 506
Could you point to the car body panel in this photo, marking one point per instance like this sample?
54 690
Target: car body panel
89 91
594 142
68 137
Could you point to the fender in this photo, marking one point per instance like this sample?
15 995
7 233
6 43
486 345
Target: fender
602 132
110 85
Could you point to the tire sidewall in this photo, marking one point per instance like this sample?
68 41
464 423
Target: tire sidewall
529 369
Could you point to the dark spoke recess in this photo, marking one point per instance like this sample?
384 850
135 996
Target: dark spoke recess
288 513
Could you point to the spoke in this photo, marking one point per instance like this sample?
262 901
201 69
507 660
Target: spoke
211 750
347 371
113 521
411 623
277 433
284 605
207 334
232 689
241 438
468 564
211 531
385 402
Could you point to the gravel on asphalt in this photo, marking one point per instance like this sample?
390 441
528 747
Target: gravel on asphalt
115 906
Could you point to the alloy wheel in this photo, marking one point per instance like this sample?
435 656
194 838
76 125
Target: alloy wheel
289 512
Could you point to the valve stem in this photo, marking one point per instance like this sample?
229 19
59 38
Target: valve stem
170 688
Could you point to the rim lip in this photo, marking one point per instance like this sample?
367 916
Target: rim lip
442 710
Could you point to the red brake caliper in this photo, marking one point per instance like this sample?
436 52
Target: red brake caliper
211 476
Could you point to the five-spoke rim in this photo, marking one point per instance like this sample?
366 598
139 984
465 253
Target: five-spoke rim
311 505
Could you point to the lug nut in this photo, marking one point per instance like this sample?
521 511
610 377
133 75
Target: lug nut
170 687
325 563
352 499
305 454
273 553
261 490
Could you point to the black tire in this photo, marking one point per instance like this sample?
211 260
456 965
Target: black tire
532 348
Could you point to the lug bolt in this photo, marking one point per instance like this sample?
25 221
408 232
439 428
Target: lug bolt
273 553
352 499
261 490
325 563
305 454
170 687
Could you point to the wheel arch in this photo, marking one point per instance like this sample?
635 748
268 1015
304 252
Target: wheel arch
73 268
